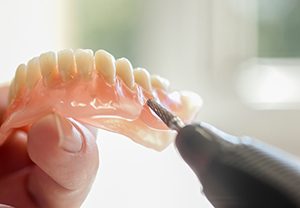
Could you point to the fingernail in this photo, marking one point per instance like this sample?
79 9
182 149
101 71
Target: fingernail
70 138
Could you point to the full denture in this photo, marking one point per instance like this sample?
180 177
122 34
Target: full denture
95 90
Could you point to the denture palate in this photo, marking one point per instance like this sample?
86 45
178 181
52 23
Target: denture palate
98 90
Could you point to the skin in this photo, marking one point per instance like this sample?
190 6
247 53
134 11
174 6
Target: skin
37 171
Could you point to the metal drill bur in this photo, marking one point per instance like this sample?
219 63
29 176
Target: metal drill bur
172 121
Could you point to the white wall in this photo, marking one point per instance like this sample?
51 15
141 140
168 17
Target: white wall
28 28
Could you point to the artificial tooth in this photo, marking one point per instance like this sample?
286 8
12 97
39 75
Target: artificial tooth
66 64
125 72
20 78
159 82
142 77
33 72
48 67
191 102
105 65
84 62
12 90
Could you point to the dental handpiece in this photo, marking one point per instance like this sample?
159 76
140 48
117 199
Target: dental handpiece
235 171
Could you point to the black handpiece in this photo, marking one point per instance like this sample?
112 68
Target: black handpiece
239 172
235 172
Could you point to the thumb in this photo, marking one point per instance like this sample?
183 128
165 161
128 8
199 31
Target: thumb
66 158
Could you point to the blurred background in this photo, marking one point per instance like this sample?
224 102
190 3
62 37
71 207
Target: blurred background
241 56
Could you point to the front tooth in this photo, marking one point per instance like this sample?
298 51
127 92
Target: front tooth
33 72
142 77
84 63
66 64
159 82
125 72
48 67
20 78
105 65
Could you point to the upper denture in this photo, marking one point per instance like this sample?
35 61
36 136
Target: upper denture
97 90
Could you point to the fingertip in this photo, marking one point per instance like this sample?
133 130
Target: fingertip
65 150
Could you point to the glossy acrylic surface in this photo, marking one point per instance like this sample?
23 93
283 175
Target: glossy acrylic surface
95 102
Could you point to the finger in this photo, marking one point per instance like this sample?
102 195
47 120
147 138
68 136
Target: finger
66 158
13 154
13 190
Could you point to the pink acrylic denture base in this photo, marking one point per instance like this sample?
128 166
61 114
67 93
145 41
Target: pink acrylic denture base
112 107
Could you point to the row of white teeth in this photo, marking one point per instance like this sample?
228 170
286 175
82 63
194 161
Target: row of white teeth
69 64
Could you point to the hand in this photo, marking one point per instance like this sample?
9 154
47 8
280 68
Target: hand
52 165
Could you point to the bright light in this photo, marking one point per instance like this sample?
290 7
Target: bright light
270 86
275 87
